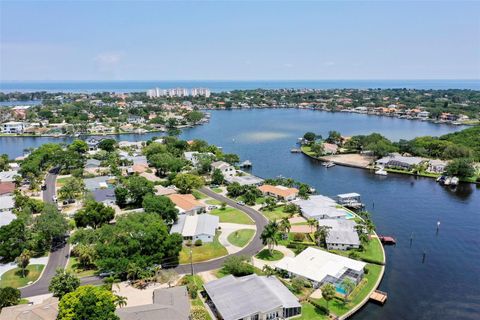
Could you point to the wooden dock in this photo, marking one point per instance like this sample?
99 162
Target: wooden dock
379 296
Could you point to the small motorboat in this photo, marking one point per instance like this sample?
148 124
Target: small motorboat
387 240
454 181
447 181
441 179
328 164
381 172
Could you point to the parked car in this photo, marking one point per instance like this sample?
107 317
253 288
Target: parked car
44 187
54 199
241 203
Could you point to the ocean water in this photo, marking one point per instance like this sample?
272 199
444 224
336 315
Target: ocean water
218 85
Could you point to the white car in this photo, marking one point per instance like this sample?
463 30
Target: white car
54 199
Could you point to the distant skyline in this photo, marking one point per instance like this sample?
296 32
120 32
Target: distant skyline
238 40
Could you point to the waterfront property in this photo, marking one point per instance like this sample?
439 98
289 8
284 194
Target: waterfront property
341 234
187 204
225 168
395 160
320 207
46 310
252 297
322 267
167 303
244 179
194 156
196 227
437 166
13 127
279 192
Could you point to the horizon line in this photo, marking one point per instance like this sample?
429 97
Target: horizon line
241 80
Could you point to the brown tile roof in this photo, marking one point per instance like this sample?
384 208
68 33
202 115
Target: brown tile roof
185 201
7 187
278 190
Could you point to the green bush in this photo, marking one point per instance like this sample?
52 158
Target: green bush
192 289
199 313
198 242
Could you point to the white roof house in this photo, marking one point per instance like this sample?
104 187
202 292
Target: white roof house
320 266
8 176
199 226
320 207
245 179
396 160
341 235
226 168
244 297
6 217
7 203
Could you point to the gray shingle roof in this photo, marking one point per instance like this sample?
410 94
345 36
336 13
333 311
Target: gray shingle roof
236 298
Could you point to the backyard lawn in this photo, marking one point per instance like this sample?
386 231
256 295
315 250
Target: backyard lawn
267 256
339 308
276 214
372 253
310 312
73 267
206 251
13 278
232 215
240 237
217 190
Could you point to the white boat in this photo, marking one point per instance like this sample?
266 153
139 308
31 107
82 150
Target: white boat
381 172
328 164
448 180
454 181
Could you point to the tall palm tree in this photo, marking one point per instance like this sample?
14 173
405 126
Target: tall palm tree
120 301
321 234
269 235
285 225
312 223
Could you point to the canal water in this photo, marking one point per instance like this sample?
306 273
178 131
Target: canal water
446 284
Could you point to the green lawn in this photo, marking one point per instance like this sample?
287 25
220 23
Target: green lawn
260 200
310 312
372 253
206 251
275 214
267 256
13 278
338 307
198 195
217 190
73 267
61 181
213 202
232 215
220 272
240 237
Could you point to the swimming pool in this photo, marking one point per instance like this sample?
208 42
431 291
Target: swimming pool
340 290
349 215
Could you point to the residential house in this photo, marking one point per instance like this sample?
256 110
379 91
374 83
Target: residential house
341 234
47 310
92 164
162 191
7 203
398 161
423 115
436 166
196 227
279 192
227 169
106 196
8 176
330 148
321 267
194 156
13 127
6 188
92 143
101 182
187 204
251 297
320 207
6 217
168 303
135 120
244 179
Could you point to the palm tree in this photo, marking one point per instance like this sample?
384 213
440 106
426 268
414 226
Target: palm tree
285 225
120 301
23 260
328 292
312 223
348 285
321 234
269 271
133 271
269 235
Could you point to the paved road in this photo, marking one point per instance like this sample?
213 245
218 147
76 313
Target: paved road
250 250
58 256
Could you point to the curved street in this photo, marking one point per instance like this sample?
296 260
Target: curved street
58 256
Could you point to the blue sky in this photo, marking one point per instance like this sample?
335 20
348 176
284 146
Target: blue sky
227 40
